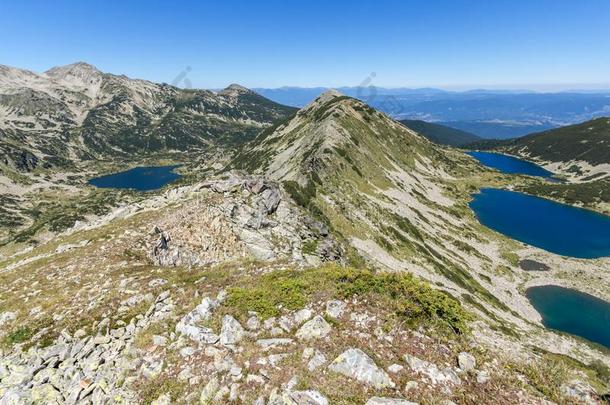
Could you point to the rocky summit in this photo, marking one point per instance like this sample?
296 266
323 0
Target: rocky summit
328 257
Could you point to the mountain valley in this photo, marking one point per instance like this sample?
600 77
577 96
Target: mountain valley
321 255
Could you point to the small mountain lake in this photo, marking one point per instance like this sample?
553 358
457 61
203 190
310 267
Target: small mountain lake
509 164
572 312
138 178
555 227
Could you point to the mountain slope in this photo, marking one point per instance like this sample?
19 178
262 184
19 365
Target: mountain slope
387 191
399 203
582 150
441 134
76 112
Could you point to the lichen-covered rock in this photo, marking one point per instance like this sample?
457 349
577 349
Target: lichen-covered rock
466 361
209 391
317 360
354 363
309 397
232 332
188 325
335 308
434 374
314 329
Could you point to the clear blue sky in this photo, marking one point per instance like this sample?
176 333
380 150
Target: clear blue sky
451 44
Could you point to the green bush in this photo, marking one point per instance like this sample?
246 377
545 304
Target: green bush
409 298
18 336
310 247
301 195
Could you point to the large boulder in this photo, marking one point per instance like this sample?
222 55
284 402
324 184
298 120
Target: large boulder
434 374
315 328
354 363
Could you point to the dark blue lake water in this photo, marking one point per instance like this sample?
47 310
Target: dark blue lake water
509 164
554 227
573 312
138 178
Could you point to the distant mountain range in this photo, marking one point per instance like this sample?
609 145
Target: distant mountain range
76 112
492 114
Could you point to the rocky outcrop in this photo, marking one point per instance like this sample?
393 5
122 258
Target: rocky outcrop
240 216
76 369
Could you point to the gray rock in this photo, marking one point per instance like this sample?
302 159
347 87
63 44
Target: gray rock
328 250
395 368
335 308
258 246
579 390
270 200
159 340
188 324
255 185
268 343
389 401
317 361
354 363
411 385
436 376
232 332
253 323
187 351
466 361
483 376
303 315
309 397
314 329
209 391
6 317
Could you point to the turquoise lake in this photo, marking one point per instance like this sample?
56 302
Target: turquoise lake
510 164
138 178
555 227
573 312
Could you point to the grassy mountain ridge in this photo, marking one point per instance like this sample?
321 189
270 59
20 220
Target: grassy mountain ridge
588 142
379 185
580 152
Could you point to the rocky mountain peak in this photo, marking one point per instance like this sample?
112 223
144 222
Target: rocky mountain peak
78 74
324 98
235 90
77 68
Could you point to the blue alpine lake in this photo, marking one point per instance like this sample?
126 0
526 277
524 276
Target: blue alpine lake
555 227
510 164
572 311
138 178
